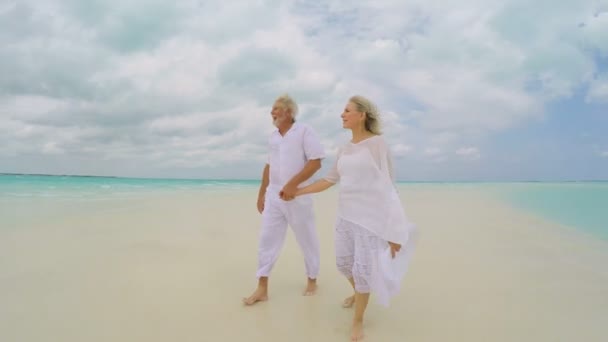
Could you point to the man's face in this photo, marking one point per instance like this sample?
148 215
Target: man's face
280 114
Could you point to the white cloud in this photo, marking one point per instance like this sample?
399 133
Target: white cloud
471 153
52 148
604 154
401 150
432 151
463 100
595 28
189 85
598 91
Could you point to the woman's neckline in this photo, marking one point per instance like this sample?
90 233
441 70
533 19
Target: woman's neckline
366 139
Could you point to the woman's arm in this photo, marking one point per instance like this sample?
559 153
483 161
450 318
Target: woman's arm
315 187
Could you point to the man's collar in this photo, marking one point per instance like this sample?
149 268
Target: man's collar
295 126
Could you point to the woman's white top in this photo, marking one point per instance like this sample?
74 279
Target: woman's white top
368 196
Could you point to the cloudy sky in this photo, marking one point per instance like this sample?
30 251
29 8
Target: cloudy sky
468 89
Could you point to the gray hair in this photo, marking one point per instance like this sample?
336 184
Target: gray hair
290 104
372 118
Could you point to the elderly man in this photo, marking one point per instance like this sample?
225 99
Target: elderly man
295 155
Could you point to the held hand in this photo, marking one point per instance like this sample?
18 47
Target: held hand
289 192
261 203
395 247
285 197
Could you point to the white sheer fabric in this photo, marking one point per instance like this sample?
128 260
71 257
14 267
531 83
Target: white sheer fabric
368 196
357 251
369 208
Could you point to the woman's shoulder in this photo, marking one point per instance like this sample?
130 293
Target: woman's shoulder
377 140
374 142
380 137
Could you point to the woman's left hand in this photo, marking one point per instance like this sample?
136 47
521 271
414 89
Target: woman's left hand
395 247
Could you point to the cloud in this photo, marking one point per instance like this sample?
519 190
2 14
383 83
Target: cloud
470 153
604 154
256 66
51 148
185 88
432 151
598 90
401 150
594 28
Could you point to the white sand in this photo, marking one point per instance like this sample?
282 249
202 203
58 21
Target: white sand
175 269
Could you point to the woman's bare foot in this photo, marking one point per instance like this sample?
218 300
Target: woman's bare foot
357 332
311 287
348 302
259 295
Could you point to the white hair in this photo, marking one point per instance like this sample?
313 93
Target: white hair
290 104
372 118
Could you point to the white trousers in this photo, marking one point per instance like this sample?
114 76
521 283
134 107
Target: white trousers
277 215
365 257
357 252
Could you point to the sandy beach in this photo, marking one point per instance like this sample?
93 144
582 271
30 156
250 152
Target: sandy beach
175 267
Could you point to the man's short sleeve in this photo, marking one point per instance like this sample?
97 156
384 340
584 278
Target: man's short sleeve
312 145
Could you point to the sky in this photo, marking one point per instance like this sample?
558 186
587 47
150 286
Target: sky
468 90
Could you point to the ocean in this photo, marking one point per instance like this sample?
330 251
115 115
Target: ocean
580 205
26 199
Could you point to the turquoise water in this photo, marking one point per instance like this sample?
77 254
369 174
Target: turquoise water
581 205
85 187
27 199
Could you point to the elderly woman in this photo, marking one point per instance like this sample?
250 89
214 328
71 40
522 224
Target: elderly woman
372 237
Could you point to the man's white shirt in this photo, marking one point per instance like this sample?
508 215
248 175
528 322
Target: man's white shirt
289 154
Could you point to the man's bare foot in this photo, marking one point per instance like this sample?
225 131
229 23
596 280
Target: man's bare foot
311 287
348 302
259 295
357 332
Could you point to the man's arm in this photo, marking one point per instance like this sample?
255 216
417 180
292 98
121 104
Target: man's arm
263 186
309 169
289 190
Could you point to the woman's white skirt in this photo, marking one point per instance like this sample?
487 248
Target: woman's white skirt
365 257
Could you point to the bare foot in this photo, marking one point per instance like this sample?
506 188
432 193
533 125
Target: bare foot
259 295
311 287
357 332
348 302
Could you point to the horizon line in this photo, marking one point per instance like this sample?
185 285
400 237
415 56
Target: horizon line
257 179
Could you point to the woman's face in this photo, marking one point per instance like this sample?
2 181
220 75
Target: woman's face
351 117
